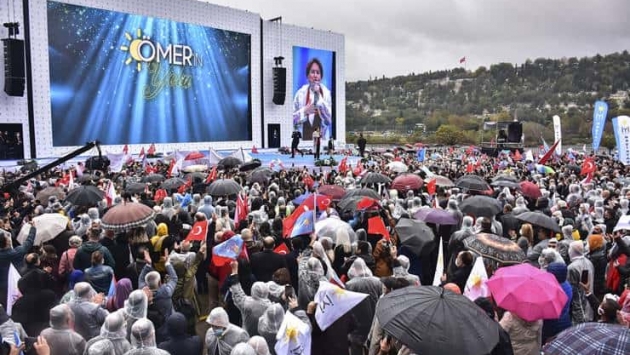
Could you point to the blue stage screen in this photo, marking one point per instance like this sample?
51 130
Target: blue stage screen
129 79
302 56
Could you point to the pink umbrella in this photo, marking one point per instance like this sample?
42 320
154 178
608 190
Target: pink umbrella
528 292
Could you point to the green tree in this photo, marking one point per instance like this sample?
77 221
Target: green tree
449 135
609 142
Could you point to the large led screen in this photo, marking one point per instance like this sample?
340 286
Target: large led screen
129 79
313 92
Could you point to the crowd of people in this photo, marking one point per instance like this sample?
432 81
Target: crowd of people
149 290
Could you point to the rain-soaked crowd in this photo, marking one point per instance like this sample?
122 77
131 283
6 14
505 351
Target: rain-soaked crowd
475 255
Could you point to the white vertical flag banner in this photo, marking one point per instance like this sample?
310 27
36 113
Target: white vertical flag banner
621 127
333 302
439 268
294 337
476 284
13 293
557 131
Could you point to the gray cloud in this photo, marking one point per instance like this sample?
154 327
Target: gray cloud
397 37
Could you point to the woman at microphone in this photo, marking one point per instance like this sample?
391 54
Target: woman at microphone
312 104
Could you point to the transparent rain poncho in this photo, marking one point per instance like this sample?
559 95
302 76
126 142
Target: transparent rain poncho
83 292
359 269
136 305
251 307
269 323
222 336
114 329
259 344
143 334
100 347
243 349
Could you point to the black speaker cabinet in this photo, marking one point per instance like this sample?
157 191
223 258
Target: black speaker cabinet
515 132
14 74
279 85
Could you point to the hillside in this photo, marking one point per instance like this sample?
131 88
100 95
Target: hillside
533 91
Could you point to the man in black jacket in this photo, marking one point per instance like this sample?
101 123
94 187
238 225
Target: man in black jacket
296 136
266 262
83 257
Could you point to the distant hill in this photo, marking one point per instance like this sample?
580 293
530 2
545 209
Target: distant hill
533 91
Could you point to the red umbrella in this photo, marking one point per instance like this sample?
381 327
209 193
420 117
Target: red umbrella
335 192
127 216
531 190
194 156
406 182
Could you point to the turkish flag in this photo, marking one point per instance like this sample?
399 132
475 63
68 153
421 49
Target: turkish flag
358 169
588 166
160 194
281 249
142 154
462 60
432 186
469 168
377 226
198 232
126 149
343 165
151 150
182 189
212 176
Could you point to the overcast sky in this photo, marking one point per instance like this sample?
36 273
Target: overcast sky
397 37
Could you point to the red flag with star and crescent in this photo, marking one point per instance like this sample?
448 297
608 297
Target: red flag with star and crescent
588 166
198 232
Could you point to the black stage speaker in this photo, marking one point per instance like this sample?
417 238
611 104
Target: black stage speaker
515 132
14 81
279 85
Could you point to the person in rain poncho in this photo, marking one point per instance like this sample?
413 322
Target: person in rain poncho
251 307
270 322
243 349
60 336
143 339
361 280
101 347
135 309
402 270
88 313
180 343
259 345
114 330
222 336
310 273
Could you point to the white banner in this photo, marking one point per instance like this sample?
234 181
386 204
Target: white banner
621 126
557 131
439 268
476 284
13 293
333 302
294 337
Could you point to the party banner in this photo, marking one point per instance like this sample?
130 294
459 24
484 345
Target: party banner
621 127
599 121
557 131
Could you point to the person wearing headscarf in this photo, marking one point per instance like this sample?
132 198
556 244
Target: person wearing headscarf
222 336
122 290
456 242
135 308
251 307
60 336
259 345
551 327
549 255
143 339
88 313
180 342
402 270
83 224
159 242
114 330
521 206
580 265
362 280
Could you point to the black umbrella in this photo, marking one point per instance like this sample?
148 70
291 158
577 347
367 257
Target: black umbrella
250 165
154 178
375 178
173 183
574 169
416 235
135 187
539 219
496 248
86 195
431 320
260 175
88 178
506 183
472 183
481 206
505 178
224 187
229 162
362 192
197 175
349 204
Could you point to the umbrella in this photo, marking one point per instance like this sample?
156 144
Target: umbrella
154 178
260 175
505 178
528 292
506 183
224 187
135 187
50 191
48 226
442 180
431 320
349 204
88 178
229 162
86 195
496 248
481 206
388 155
197 175
375 178
195 168
250 165
194 156
436 216
591 339
405 182
362 192
397 166
335 192
416 235
330 227
472 182
543 169
540 220
173 183
127 215
531 190
574 169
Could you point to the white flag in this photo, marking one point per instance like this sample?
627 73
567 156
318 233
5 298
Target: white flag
13 293
557 131
116 162
333 302
294 337
439 268
476 284
529 155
